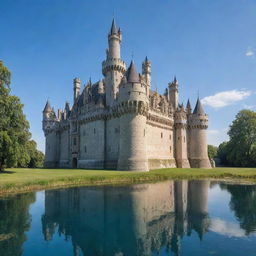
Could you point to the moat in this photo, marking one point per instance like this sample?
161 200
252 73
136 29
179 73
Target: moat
166 218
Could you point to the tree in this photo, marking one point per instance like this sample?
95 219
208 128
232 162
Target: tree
14 128
241 149
222 153
212 151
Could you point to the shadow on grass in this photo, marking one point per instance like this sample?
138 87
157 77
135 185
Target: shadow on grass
7 172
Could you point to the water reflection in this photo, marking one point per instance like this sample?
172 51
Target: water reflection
14 222
243 203
129 220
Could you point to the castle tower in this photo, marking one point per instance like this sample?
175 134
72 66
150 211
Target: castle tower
133 106
181 138
76 87
113 68
198 124
174 93
49 128
146 71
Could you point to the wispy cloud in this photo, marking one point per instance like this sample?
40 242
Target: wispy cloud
250 52
225 98
249 106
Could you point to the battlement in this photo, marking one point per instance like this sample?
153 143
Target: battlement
113 64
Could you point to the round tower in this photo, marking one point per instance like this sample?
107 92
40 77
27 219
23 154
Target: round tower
198 124
181 138
76 88
132 108
113 68
49 127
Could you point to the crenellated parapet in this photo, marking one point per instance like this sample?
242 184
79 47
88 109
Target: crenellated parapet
198 122
180 118
130 106
113 64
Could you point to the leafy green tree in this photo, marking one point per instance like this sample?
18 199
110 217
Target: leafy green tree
241 149
222 153
212 151
14 128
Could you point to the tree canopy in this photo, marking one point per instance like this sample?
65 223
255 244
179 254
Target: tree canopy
212 151
15 145
240 150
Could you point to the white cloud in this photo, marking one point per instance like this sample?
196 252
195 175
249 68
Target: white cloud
226 228
223 99
250 52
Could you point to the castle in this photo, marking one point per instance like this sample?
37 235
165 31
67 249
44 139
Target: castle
120 123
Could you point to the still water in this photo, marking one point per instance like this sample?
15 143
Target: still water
167 218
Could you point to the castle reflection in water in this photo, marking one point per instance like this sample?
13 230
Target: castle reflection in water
127 220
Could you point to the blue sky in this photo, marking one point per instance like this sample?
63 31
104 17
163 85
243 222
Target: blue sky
209 45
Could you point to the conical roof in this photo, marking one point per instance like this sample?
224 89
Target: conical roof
132 75
188 105
47 107
198 108
113 28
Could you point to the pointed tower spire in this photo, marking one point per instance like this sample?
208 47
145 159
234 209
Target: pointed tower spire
198 108
175 81
113 29
132 75
188 107
47 107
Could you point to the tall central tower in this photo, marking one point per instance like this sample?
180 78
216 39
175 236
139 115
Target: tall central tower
113 68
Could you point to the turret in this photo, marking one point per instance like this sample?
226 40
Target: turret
188 107
77 84
113 68
114 41
101 87
198 124
50 124
181 138
47 110
132 106
174 93
146 71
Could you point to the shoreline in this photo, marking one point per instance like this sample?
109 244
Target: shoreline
20 180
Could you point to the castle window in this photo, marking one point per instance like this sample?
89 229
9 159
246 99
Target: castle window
85 149
94 130
144 132
116 130
74 141
170 136
170 149
184 139
161 135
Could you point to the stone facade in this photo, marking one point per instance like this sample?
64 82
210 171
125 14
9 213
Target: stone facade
120 123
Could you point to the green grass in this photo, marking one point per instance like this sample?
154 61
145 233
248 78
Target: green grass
22 180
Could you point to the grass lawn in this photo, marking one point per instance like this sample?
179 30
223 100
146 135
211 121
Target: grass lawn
21 180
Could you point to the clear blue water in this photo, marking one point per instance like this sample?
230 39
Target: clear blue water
167 218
